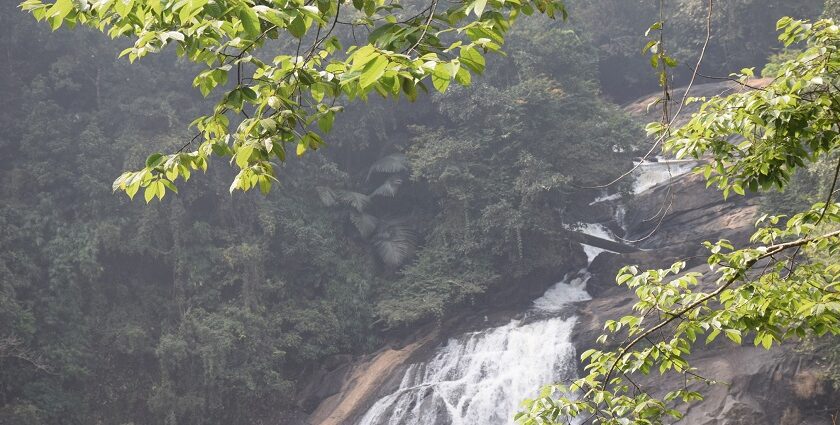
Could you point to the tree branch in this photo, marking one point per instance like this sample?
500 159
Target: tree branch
771 250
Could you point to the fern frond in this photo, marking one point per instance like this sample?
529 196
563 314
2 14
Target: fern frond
365 223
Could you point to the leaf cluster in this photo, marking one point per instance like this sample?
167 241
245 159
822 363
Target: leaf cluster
273 104
750 140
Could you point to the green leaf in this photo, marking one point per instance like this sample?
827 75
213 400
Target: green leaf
155 6
325 123
317 91
123 7
372 71
265 185
250 21
472 59
377 34
478 7
297 27
734 335
160 189
463 77
767 341
243 155
441 77
711 337
169 185
132 189
190 9
235 100
249 94
154 160
58 12
150 192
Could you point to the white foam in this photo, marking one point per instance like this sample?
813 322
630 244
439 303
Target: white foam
651 174
481 378
570 290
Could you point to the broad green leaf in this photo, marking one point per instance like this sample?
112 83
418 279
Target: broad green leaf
373 71
297 27
243 155
472 59
250 21
325 123
478 7
441 77
59 10
150 192
155 6
154 160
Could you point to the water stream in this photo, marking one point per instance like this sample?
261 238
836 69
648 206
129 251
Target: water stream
481 377
651 174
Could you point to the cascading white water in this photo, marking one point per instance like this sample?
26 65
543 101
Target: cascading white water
571 290
650 174
481 377
599 231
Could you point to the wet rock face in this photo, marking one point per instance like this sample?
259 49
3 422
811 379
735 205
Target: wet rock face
761 387
779 387
692 215
775 387
325 381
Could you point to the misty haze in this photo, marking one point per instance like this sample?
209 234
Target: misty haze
419 212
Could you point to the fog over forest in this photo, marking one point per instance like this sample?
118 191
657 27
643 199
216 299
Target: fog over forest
219 212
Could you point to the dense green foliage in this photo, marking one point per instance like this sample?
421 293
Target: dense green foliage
783 287
206 306
211 308
498 177
279 102
210 305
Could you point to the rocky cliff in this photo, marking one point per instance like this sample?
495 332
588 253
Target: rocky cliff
669 221
781 386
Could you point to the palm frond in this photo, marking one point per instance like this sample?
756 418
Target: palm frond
327 195
389 188
357 200
394 163
395 242
365 223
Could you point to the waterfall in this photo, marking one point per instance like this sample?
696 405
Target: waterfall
597 230
480 378
650 174
571 290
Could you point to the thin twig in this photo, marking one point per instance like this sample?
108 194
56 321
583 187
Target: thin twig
425 27
792 262
676 115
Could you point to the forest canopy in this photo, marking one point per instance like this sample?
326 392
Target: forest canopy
211 308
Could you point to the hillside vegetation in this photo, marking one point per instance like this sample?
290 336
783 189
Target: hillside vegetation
208 308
